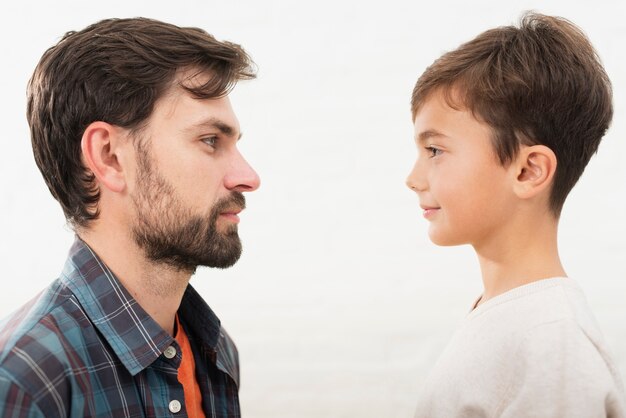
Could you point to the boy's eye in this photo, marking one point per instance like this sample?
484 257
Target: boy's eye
433 151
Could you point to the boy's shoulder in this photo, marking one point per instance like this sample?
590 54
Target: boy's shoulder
540 302
537 344
550 314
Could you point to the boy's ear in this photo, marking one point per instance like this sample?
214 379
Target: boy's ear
535 167
100 146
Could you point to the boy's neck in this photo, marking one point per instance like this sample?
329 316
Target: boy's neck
519 256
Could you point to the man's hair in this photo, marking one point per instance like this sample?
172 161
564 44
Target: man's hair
541 83
114 71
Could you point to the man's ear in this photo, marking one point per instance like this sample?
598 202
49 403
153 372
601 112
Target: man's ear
535 167
100 146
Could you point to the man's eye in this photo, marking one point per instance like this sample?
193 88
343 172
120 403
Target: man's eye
210 140
433 151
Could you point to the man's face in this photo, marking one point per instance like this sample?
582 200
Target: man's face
189 182
463 190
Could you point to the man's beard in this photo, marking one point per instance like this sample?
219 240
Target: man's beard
170 234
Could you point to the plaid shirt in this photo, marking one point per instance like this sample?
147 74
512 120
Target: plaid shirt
85 348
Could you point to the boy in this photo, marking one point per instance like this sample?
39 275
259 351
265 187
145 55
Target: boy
505 126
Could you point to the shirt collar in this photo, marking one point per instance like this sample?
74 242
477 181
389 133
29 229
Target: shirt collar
205 326
134 336
200 319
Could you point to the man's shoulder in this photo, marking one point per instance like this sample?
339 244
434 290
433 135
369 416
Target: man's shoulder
42 336
40 345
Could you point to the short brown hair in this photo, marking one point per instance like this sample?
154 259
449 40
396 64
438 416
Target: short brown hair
114 71
539 83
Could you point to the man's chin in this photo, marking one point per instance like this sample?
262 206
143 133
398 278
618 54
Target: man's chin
221 262
227 229
225 253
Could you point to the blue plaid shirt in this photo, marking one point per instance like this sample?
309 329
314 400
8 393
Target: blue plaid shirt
85 348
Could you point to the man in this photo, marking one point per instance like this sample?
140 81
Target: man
135 136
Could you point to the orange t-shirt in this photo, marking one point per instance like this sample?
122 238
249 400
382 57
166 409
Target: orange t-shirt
187 375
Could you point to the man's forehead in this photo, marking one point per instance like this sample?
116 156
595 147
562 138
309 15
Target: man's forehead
191 77
184 81
226 127
193 114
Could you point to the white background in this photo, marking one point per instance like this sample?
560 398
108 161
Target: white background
340 304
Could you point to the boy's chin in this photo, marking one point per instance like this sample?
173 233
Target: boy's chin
442 239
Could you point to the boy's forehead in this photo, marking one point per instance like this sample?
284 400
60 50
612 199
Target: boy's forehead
452 95
426 134
437 117
433 110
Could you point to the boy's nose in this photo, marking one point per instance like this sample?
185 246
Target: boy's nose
416 181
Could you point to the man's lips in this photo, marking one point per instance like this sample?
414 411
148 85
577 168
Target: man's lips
231 214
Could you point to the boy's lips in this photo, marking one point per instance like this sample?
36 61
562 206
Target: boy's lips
429 210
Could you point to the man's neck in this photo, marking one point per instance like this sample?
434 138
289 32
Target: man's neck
157 288
519 256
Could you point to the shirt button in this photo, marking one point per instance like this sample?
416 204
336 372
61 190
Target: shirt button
170 352
175 406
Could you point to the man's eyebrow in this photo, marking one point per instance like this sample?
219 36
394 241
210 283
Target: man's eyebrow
222 126
429 133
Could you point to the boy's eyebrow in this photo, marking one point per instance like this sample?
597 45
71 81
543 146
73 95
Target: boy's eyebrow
213 122
429 133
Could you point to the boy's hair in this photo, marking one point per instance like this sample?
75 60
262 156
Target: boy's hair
541 83
114 71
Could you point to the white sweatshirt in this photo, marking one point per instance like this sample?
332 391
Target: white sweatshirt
534 351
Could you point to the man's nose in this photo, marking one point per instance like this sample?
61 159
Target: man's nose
241 177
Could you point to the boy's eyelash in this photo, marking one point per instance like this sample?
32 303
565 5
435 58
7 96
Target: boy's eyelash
433 151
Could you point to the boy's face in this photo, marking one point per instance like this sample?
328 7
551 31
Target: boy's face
464 191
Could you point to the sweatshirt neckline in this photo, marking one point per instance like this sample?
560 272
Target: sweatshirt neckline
520 291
